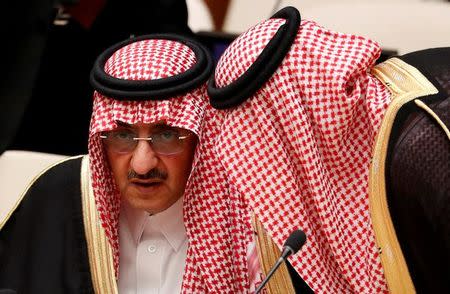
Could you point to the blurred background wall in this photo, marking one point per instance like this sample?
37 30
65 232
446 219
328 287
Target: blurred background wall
45 96
399 25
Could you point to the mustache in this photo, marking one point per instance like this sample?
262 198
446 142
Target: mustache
152 174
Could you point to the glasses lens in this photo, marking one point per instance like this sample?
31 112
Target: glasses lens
167 141
121 141
164 141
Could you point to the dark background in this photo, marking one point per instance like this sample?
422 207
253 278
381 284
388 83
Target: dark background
45 96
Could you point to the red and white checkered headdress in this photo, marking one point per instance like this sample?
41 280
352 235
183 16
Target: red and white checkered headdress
293 144
144 79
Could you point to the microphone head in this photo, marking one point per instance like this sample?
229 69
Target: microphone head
295 240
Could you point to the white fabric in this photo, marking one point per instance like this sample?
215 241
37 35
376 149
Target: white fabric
153 250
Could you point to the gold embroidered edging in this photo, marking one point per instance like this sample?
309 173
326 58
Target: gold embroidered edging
268 254
19 200
406 83
433 115
99 249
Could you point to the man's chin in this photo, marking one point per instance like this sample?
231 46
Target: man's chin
140 203
148 199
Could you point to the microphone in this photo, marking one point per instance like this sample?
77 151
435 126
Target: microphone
293 243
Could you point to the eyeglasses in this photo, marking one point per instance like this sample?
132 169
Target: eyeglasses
165 141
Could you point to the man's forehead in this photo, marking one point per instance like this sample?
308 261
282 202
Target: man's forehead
140 124
147 126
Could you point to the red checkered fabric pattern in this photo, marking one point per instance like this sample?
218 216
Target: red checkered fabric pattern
252 42
297 154
132 62
218 224
143 60
254 267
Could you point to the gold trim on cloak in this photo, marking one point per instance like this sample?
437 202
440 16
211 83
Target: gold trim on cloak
99 250
268 253
434 116
406 83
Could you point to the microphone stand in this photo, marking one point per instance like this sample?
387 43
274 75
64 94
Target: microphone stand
286 252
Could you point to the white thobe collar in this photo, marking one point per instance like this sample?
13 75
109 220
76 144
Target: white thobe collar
169 222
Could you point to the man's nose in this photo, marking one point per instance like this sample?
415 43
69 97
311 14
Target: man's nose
144 158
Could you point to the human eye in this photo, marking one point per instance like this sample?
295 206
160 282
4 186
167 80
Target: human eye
123 135
166 135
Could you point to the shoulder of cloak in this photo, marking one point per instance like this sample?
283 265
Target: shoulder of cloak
48 188
406 181
42 240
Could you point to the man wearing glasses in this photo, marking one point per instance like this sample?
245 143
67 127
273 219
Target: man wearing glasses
126 233
141 156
